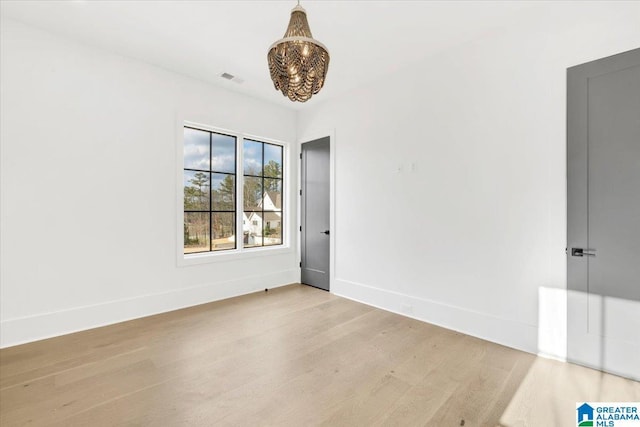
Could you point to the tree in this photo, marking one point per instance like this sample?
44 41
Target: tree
196 195
273 169
252 192
226 194
190 198
187 237
223 223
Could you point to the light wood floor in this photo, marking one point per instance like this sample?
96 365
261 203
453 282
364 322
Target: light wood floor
293 356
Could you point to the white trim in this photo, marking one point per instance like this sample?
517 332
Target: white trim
312 136
511 333
46 325
233 255
183 260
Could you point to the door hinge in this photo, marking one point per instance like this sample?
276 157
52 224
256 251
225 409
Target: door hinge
301 192
300 264
300 156
300 228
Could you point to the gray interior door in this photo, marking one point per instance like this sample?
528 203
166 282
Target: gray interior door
603 247
315 213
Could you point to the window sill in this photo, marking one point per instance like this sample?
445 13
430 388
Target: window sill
231 255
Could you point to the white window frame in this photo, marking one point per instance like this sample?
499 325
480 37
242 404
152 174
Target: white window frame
240 252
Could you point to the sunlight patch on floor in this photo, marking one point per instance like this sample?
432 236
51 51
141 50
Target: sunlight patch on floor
564 385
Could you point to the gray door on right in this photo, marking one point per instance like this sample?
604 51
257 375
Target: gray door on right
315 233
603 222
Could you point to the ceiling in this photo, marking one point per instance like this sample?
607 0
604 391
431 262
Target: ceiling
203 39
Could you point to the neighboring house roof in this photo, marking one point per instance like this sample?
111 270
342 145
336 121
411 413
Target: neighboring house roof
274 198
269 216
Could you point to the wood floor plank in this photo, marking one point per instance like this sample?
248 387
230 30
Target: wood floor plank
291 356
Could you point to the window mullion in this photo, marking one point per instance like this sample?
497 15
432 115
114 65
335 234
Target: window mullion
240 193
264 220
210 192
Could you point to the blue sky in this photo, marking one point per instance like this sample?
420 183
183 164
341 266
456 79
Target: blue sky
196 152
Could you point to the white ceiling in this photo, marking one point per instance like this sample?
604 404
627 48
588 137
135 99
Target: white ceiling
202 39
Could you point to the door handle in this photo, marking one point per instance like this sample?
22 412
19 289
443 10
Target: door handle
583 252
324 232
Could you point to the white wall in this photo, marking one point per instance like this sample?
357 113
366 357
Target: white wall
89 187
450 178
450 182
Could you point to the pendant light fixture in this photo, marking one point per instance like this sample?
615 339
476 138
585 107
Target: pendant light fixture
298 63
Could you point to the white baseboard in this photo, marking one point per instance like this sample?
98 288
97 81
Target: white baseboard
506 332
46 325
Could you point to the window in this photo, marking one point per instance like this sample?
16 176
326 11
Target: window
262 194
213 218
209 191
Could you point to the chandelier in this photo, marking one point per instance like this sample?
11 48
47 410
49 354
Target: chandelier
298 63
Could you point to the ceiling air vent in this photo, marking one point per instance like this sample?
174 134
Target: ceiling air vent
232 78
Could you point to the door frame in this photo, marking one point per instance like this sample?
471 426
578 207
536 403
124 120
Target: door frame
308 137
